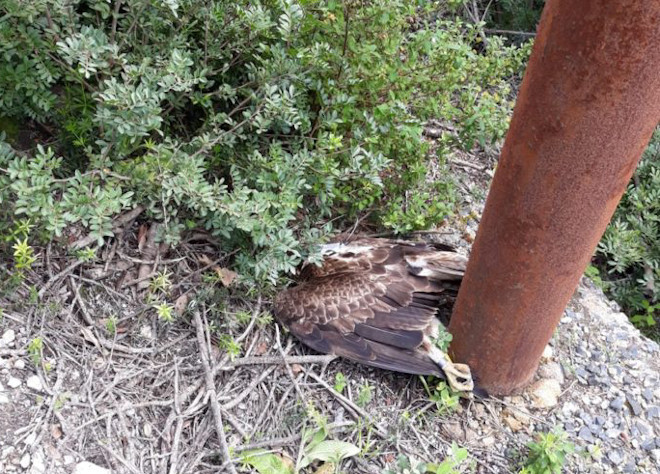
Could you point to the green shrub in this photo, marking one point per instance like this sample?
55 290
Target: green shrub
260 121
515 14
629 252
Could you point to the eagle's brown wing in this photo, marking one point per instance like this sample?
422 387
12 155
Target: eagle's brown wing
376 314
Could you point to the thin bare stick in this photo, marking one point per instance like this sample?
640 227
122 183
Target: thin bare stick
253 320
59 276
279 360
287 365
382 432
467 164
212 394
179 422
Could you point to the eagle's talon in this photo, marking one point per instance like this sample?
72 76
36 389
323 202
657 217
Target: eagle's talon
459 377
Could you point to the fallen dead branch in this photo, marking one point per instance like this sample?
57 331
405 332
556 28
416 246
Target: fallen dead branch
211 393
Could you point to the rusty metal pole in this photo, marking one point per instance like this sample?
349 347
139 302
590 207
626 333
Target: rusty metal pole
586 109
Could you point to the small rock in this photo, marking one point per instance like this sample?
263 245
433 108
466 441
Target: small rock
635 406
31 438
599 420
25 461
548 352
615 456
34 383
655 454
617 403
648 394
6 452
146 332
9 336
38 464
488 441
2 388
19 364
641 428
581 373
479 411
585 434
471 435
613 433
653 412
630 467
545 393
86 467
586 417
13 382
512 423
649 444
552 370
3 398
454 430
68 459
569 408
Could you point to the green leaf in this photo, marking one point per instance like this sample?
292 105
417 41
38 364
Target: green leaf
329 450
267 463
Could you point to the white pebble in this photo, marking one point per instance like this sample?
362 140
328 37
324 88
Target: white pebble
13 382
38 464
25 461
3 398
545 393
19 364
32 437
547 352
86 467
34 383
9 336
6 452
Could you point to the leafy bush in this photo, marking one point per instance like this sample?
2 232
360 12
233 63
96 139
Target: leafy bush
515 15
629 252
259 121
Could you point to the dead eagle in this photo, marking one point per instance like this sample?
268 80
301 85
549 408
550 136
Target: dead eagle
374 301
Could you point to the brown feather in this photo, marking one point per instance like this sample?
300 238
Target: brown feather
373 301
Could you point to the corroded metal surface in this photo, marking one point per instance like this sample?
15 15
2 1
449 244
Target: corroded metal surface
587 107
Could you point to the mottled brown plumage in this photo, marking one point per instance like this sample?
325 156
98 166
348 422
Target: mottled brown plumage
375 301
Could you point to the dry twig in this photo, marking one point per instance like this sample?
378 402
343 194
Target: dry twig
212 394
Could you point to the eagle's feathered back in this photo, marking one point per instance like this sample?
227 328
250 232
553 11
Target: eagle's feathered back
374 301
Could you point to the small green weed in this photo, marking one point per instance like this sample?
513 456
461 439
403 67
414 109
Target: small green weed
452 464
340 382
444 339
243 317
547 455
445 399
165 311
161 283
229 344
35 350
85 255
647 318
111 325
365 395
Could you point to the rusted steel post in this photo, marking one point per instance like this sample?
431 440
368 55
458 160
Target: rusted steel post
587 107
